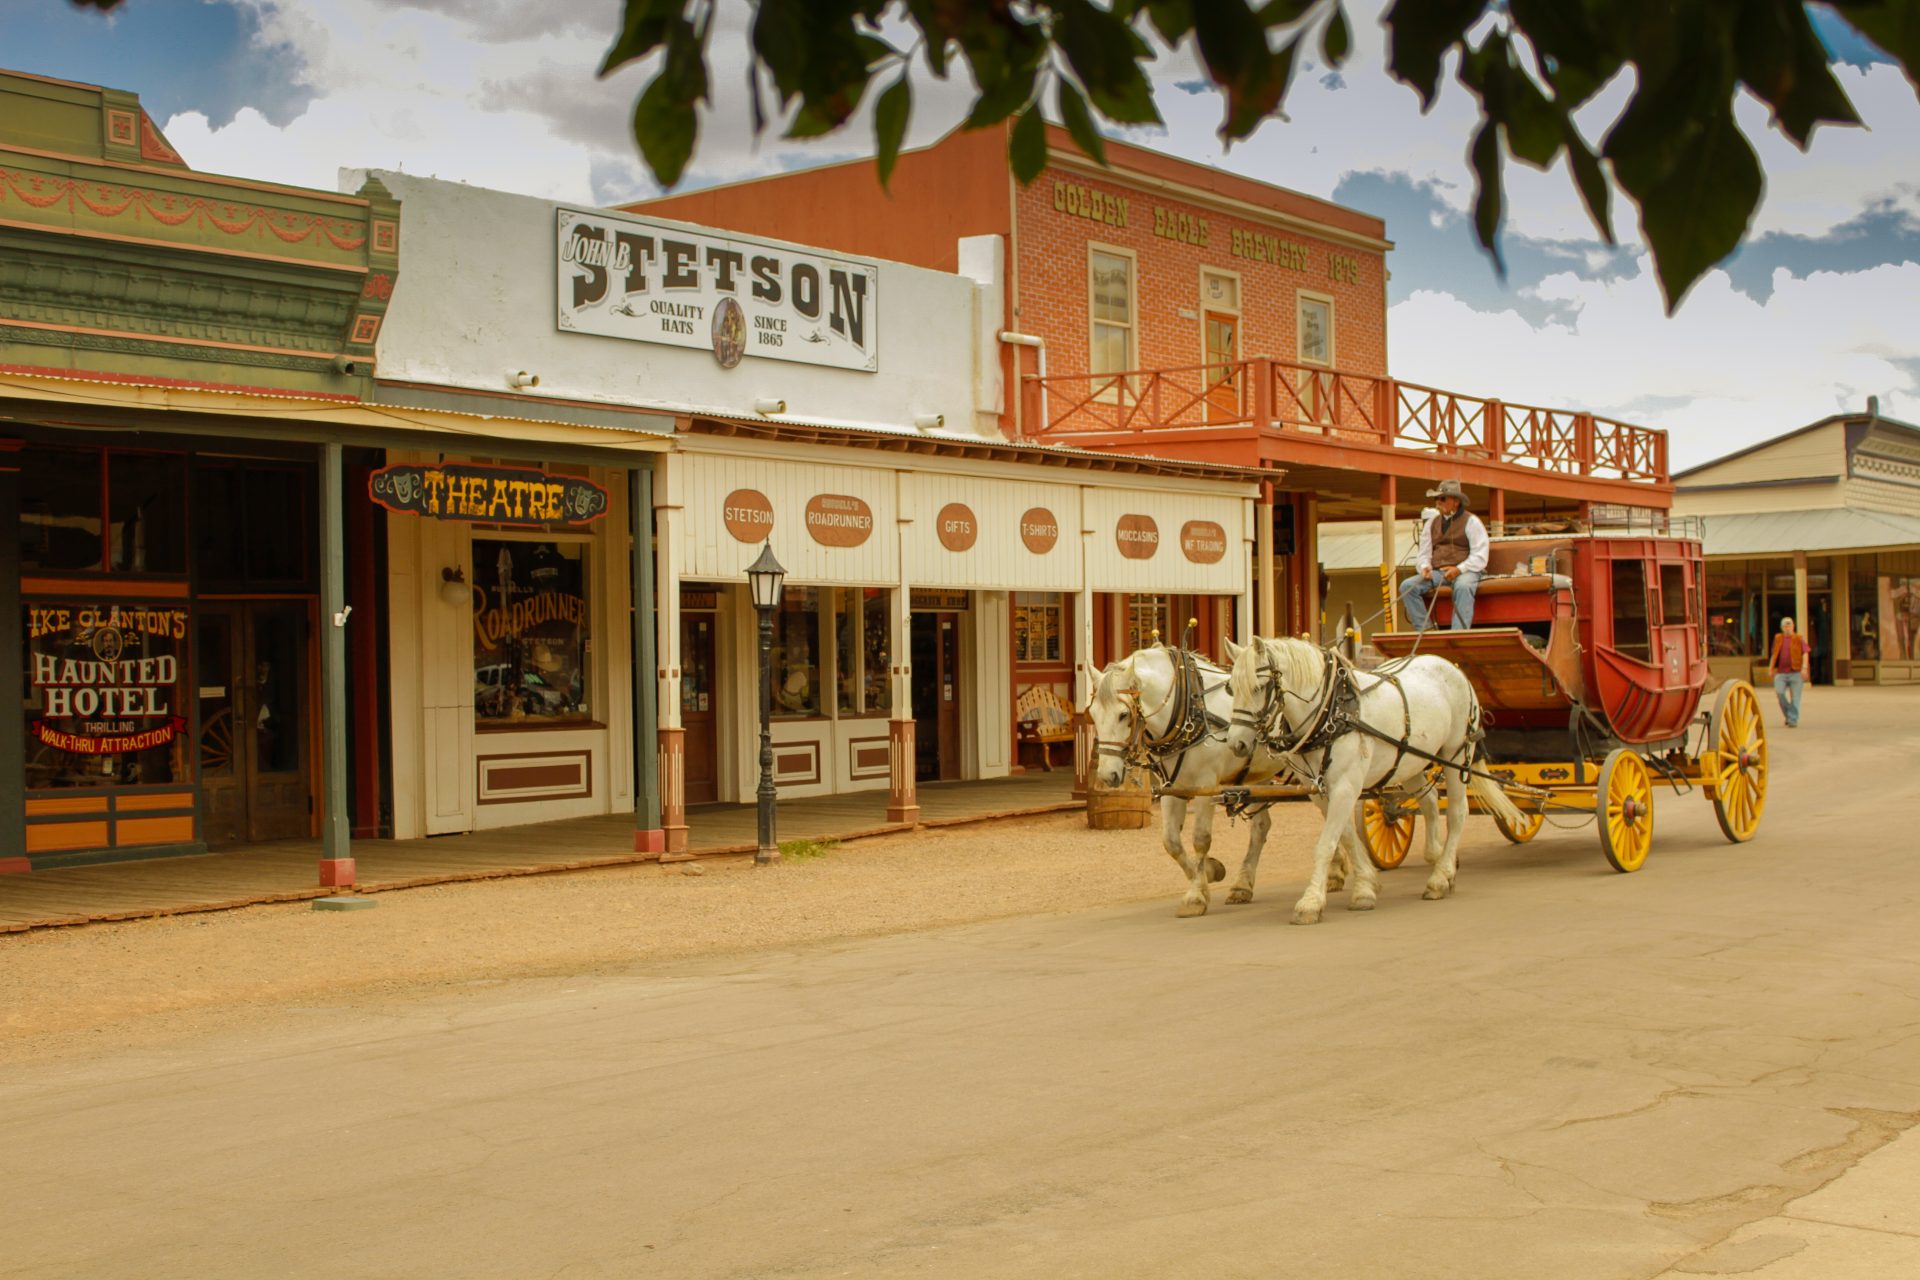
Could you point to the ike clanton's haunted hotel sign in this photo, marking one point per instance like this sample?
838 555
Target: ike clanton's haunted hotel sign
623 277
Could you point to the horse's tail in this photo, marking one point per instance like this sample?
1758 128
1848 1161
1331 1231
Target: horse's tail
1490 794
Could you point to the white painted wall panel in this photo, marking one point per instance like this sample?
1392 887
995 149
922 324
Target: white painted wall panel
709 553
1167 570
999 559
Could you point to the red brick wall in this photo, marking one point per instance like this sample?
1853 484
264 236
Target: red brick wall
1052 270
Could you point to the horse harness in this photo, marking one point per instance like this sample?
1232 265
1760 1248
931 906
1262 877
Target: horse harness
1189 723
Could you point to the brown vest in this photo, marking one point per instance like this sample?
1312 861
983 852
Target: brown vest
1449 541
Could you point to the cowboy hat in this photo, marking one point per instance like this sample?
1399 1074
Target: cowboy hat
1449 489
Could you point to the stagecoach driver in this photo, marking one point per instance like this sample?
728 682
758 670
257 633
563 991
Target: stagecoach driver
1453 552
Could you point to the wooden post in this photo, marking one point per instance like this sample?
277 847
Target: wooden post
13 728
648 834
903 791
1389 529
336 841
1841 579
1306 541
1260 370
664 669
1263 560
1583 444
1799 595
1496 512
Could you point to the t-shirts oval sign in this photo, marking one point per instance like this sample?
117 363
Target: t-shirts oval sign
1203 542
839 520
1137 536
748 515
1039 530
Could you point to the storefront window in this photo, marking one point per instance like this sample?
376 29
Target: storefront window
60 494
1731 616
797 653
530 632
106 686
1038 626
863 621
146 512
1865 623
253 526
1145 616
1900 617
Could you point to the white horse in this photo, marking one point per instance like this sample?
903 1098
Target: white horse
1134 707
1284 691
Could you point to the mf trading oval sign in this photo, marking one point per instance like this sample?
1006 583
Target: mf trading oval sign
956 526
626 277
1138 537
839 520
1203 542
1039 530
748 515
496 495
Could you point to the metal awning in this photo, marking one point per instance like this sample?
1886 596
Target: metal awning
1780 533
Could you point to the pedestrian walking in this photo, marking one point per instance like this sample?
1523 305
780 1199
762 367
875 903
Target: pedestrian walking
1790 659
1453 553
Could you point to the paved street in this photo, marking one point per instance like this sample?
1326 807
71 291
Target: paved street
1707 1067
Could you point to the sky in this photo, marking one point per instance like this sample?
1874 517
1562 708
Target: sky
1819 310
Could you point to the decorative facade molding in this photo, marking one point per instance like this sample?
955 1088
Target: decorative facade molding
38 192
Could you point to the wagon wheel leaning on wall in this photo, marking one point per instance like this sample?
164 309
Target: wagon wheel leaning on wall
1738 736
216 741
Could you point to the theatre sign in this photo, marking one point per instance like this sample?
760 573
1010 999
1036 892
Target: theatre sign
627 277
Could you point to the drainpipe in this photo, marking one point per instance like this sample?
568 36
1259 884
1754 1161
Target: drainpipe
1039 344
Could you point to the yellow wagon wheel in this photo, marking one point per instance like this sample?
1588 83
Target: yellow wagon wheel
1387 831
1740 778
1528 826
1624 802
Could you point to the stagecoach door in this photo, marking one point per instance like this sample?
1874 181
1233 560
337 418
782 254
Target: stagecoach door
255 696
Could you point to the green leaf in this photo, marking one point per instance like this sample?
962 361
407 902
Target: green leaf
665 125
1105 53
1697 212
1173 19
1079 121
1280 13
643 26
1589 179
1233 45
1419 34
1027 146
1336 41
1487 199
890 116
1894 25
1002 99
1780 58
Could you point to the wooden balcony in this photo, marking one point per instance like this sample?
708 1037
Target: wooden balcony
1294 411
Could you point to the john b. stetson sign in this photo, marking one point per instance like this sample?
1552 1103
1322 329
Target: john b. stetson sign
742 299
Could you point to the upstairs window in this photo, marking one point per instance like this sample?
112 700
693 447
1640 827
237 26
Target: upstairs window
1111 342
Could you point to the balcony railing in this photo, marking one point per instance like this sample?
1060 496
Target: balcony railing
1310 401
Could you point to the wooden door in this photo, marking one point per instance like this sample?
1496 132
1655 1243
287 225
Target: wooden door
256 720
698 709
937 696
950 695
1223 348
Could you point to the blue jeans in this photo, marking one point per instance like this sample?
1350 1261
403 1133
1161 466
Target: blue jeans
1415 590
1786 687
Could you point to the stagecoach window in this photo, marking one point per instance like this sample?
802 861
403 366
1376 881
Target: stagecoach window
530 631
863 621
1673 595
1630 635
798 654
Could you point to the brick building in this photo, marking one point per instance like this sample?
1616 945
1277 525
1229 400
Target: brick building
1163 307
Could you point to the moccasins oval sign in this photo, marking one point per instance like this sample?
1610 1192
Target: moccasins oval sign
839 520
1039 530
748 514
1203 541
1137 536
956 526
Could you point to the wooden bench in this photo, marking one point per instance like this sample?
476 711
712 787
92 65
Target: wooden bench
1043 717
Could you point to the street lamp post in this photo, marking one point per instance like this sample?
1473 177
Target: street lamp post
766 577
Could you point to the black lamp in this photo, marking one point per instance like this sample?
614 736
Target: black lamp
766 579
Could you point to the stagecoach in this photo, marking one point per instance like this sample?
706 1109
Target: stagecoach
1588 654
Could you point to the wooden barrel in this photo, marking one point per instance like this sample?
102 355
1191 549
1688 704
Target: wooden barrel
1127 809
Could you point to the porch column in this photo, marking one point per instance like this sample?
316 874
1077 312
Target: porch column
1306 543
1389 529
1085 618
649 836
1840 576
903 794
336 851
1496 512
664 669
1799 595
13 728
1263 560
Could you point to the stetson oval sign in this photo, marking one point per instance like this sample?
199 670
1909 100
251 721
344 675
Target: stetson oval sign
1137 536
956 527
839 520
748 514
1039 530
1203 542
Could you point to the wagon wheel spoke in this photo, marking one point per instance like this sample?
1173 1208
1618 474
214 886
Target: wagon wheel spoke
1739 736
1387 837
1624 796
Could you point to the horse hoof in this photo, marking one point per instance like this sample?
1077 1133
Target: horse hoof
1216 871
1190 909
1240 895
1306 917
1434 893
1360 904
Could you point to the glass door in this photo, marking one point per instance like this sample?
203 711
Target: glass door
255 720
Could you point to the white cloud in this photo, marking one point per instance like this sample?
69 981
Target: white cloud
1739 370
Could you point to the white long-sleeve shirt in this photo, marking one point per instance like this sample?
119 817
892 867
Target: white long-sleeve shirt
1477 546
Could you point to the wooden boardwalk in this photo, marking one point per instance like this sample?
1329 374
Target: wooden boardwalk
285 871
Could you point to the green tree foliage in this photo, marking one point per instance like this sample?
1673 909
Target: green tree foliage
1530 64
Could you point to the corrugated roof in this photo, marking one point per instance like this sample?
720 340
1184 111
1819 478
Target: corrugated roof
1784 532
1357 546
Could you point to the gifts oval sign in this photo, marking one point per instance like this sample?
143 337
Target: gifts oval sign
957 528
1138 537
839 520
1203 542
748 515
